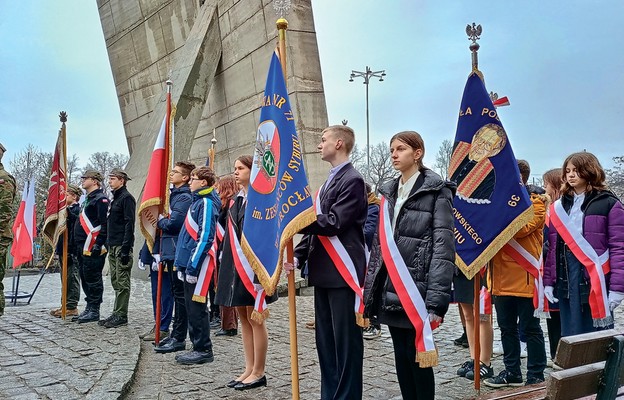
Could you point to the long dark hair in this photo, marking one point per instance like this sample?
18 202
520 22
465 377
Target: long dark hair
587 167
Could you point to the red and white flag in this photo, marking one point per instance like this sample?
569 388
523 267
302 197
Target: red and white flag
155 198
24 227
56 206
502 102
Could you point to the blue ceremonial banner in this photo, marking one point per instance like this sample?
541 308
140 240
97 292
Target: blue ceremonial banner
491 203
279 203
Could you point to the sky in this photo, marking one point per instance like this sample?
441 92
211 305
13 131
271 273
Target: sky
560 63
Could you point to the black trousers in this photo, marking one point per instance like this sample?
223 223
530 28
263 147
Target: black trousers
513 313
180 318
415 382
198 320
90 269
554 331
339 343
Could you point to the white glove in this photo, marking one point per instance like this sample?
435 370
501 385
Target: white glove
191 279
155 266
615 299
160 216
141 265
291 266
434 318
156 258
181 276
550 295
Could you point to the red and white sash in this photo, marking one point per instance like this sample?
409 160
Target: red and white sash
535 268
485 303
191 226
208 268
409 296
246 274
597 265
345 266
92 234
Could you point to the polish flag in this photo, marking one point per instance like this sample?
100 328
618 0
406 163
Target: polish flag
155 197
24 227
503 101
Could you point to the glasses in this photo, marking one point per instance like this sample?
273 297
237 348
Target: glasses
173 172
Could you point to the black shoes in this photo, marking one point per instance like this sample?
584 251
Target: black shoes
170 345
461 341
82 314
232 383
195 357
215 323
115 320
89 316
251 385
226 332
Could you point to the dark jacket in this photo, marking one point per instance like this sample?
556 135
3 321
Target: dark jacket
72 216
370 227
343 213
230 288
603 228
191 252
121 219
95 207
180 200
424 236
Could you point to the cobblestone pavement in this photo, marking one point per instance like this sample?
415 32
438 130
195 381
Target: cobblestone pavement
44 357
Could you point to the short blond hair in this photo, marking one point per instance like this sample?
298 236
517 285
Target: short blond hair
345 133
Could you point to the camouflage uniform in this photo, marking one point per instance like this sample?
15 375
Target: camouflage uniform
7 195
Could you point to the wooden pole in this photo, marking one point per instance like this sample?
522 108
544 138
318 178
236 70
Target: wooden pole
477 331
64 276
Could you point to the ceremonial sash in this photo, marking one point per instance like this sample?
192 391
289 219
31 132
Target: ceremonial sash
535 268
409 296
246 274
597 265
208 268
92 234
191 225
345 266
485 303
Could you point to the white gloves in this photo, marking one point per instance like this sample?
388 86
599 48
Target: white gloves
549 293
141 265
191 279
160 216
615 299
155 266
181 276
156 258
291 266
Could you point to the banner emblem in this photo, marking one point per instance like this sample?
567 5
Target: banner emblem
267 155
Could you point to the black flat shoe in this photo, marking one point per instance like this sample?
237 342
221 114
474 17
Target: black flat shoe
226 332
171 346
252 385
232 383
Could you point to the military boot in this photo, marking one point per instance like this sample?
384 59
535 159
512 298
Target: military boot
82 314
91 316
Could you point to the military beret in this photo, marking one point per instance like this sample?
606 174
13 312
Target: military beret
91 173
119 173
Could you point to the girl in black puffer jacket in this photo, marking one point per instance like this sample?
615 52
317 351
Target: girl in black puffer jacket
420 213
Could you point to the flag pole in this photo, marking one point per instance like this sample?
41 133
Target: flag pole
282 25
162 210
63 118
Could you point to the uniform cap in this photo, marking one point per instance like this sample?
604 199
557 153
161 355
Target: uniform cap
91 173
119 173
75 190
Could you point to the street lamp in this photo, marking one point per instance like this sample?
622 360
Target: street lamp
367 75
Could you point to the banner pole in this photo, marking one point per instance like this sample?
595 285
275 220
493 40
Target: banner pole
477 332
64 284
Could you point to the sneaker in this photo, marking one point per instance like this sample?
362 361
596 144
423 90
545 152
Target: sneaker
533 381
465 367
523 350
372 332
115 321
485 372
504 379
149 335
461 341
104 321
310 324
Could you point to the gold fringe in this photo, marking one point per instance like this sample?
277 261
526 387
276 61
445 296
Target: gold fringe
260 317
361 321
142 207
471 270
269 283
198 298
426 359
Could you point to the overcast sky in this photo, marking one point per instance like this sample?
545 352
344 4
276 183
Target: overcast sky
560 63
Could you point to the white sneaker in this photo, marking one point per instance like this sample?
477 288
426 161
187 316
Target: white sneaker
523 350
371 333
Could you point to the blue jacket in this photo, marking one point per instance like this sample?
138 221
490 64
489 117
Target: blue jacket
180 200
200 223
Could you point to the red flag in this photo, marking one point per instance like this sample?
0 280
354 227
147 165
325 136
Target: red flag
503 101
56 213
24 227
155 198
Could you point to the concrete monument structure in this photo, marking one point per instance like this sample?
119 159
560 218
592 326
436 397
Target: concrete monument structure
217 54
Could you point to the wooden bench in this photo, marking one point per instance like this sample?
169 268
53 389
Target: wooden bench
591 367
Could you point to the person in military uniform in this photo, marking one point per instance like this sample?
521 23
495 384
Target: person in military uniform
90 244
73 277
120 240
7 195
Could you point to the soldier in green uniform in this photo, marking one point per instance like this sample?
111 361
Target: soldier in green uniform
7 195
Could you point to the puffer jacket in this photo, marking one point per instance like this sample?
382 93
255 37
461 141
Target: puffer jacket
191 252
603 228
507 277
424 236
180 199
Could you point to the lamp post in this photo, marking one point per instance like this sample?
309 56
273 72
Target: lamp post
367 75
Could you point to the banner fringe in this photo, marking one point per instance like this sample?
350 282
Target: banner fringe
427 359
260 317
198 298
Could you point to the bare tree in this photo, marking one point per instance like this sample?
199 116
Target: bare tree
104 162
380 169
443 158
615 176
73 170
